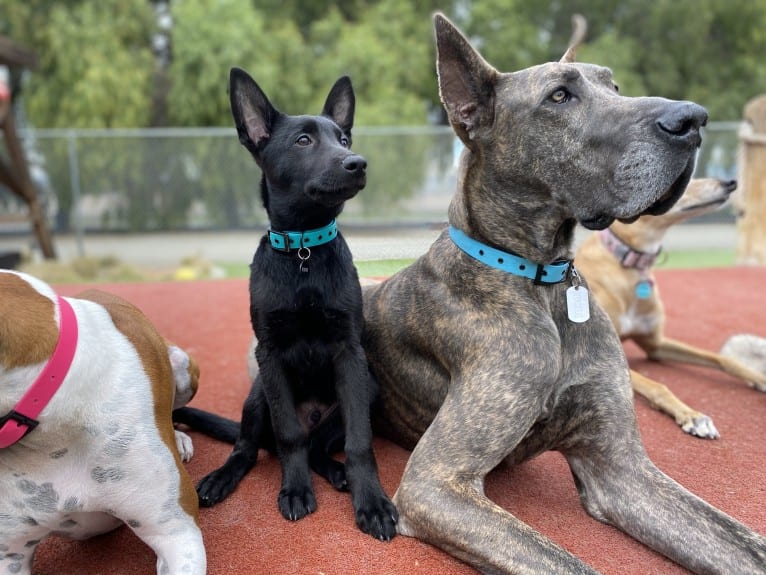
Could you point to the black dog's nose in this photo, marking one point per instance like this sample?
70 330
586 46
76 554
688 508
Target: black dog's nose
682 121
355 163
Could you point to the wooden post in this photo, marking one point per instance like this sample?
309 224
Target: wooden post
16 177
15 174
751 226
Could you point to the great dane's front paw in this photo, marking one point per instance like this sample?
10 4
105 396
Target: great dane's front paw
701 426
377 516
215 487
296 502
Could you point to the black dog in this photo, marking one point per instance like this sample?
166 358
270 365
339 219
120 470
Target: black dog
306 311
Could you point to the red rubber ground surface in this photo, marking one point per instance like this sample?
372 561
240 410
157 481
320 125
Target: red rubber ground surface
246 534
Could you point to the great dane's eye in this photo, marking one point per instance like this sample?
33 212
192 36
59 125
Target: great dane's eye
304 140
344 142
560 96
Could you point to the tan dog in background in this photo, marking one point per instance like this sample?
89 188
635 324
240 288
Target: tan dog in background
617 263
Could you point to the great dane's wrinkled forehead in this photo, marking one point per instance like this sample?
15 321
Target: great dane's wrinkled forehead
562 129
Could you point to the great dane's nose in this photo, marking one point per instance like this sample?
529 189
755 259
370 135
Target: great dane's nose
355 164
682 121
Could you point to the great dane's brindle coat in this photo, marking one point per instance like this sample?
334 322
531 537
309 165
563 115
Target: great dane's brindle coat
478 366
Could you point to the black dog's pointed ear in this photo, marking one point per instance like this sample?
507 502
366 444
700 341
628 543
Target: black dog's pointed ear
340 103
254 116
466 80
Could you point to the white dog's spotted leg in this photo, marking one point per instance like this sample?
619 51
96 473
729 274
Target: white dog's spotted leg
179 553
16 556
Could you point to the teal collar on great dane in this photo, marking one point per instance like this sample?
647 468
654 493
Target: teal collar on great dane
287 241
553 273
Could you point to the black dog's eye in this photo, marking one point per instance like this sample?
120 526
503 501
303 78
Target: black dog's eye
304 140
344 142
560 96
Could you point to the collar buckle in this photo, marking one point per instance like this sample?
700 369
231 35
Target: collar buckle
285 236
20 419
539 274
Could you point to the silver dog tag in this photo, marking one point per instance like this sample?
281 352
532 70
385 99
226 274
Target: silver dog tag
303 255
578 309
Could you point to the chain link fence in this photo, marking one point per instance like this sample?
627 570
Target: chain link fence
202 179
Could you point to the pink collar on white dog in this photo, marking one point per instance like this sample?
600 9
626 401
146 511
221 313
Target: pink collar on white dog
21 419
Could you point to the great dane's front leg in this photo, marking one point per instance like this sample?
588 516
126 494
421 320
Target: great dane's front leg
619 485
374 512
441 496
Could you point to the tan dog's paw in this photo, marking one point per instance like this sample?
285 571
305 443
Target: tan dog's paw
184 445
701 426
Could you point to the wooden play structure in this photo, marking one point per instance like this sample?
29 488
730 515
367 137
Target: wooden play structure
751 226
14 170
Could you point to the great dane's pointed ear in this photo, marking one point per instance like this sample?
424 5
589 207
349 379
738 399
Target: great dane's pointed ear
466 80
340 103
254 116
579 29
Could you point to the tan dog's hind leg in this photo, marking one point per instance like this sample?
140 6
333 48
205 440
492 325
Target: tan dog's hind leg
661 398
666 349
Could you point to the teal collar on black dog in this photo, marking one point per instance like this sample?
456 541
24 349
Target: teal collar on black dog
287 241
554 273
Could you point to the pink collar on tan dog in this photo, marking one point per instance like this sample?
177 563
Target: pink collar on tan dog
21 419
626 255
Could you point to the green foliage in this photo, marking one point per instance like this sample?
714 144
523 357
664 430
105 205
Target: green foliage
709 51
386 57
211 36
97 68
95 61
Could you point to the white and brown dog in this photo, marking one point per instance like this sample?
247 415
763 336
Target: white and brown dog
617 262
87 387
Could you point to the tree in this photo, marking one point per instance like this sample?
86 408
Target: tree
709 51
97 68
208 38
389 57
95 61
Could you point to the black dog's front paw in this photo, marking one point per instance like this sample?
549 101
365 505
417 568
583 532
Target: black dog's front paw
336 476
215 487
296 503
377 516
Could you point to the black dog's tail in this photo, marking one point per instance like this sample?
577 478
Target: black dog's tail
215 426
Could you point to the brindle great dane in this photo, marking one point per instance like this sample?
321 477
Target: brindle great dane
478 364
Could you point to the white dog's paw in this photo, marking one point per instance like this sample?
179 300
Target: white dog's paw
252 363
184 445
185 375
749 350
